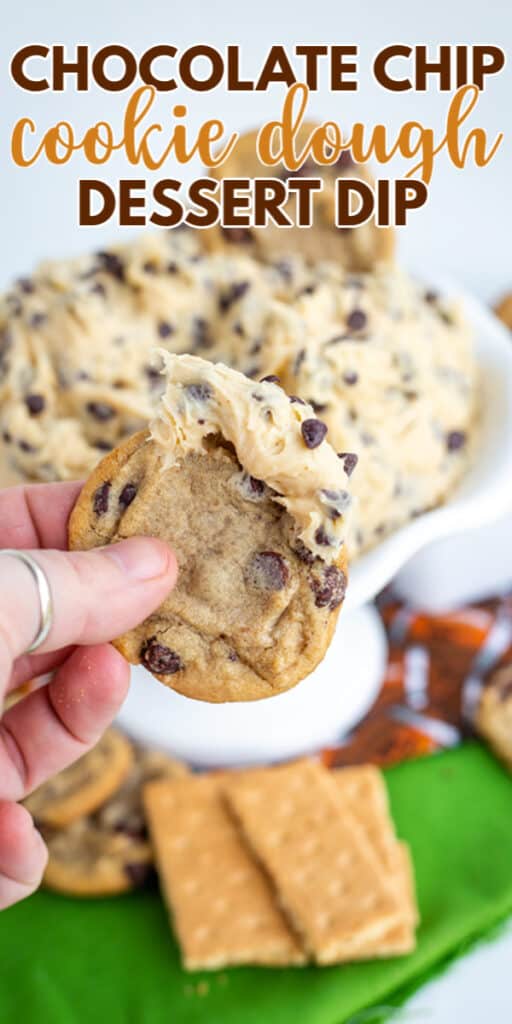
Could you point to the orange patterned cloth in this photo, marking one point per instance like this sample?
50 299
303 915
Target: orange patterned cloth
436 668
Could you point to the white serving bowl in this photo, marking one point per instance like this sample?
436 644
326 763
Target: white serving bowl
432 560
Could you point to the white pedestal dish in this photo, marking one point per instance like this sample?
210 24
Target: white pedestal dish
433 562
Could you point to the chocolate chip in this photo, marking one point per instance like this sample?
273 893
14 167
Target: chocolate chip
199 392
329 588
26 285
350 377
309 289
284 269
237 236
455 440
100 498
160 659
98 289
431 296
313 432
35 404
303 552
111 264
318 406
154 376
270 379
233 294
172 267
38 319
322 538
103 446
349 461
299 359
296 399
24 446
149 267
232 656
201 333
267 570
127 495
238 328
137 873
356 320
101 411
165 329
255 486
6 437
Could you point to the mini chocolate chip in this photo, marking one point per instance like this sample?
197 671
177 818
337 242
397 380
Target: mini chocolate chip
6 437
26 285
37 319
233 656
270 379
296 399
35 404
455 440
201 333
350 461
309 289
100 498
318 406
199 392
267 570
303 552
127 495
160 659
24 446
237 236
329 589
235 292
299 359
356 320
154 377
255 486
98 289
350 377
103 446
172 267
100 410
238 328
313 432
149 267
137 873
431 296
284 269
111 264
322 538
165 329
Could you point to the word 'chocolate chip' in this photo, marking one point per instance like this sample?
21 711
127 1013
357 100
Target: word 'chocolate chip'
35 404
268 570
100 498
329 589
160 659
127 495
313 432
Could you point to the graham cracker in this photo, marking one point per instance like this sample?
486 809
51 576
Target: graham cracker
222 904
364 788
327 874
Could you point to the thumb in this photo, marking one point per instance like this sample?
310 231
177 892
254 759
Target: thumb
96 594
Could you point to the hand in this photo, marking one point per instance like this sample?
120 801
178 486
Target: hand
96 596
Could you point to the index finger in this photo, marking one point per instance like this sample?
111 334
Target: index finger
36 515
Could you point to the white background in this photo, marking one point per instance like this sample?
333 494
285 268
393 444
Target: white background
464 233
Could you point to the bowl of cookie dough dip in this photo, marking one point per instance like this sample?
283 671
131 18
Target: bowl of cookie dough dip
415 380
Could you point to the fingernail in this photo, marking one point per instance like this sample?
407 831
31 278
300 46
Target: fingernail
141 558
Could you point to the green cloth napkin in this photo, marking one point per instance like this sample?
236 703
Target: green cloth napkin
115 961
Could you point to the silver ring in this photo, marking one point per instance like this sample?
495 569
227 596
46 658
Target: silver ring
44 594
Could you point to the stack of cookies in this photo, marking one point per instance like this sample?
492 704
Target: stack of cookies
282 866
92 819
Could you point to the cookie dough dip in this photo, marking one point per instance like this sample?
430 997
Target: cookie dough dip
240 479
389 367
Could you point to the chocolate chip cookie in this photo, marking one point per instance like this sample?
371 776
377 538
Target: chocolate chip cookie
84 785
242 482
108 852
358 248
